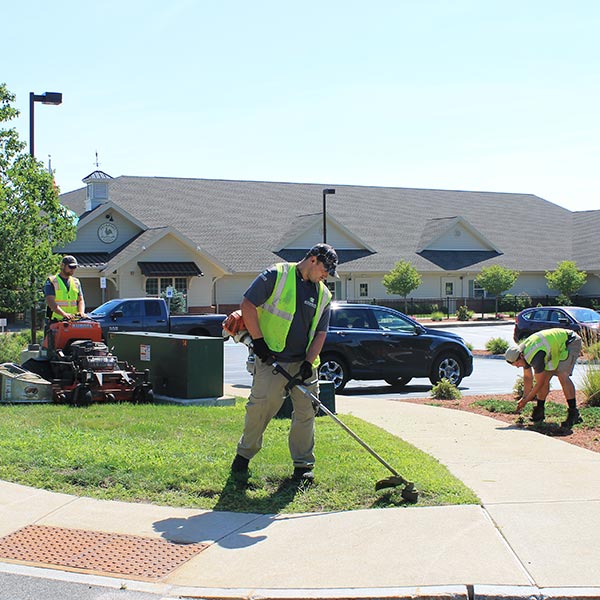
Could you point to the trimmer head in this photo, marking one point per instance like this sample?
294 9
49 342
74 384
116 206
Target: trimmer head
408 493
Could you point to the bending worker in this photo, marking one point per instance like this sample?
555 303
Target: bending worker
286 312
549 352
63 292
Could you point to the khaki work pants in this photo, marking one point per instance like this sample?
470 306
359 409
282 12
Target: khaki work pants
265 400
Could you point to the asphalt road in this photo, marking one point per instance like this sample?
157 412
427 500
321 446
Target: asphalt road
490 375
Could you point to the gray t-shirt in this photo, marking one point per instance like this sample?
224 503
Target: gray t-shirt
307 294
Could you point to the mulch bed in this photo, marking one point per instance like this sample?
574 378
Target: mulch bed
588 438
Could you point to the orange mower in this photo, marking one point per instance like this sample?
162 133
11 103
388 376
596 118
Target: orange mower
81 368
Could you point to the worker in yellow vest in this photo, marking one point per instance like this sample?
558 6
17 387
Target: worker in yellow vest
286 312
547 353
63 293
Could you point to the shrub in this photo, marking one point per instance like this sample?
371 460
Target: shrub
518 388
562 300
592 351
437 316
444 390
590 385
177 304
463 313
496 345
11 345
510 303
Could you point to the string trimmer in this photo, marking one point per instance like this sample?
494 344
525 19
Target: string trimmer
234 326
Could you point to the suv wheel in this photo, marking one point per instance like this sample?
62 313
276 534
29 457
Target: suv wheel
333 369
446 366
398 381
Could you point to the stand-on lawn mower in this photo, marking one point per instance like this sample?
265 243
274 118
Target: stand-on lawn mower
80 367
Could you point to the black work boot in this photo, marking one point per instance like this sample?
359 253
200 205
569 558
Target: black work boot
304 474
573 418
240 465
538 414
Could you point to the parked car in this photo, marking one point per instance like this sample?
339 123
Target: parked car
151 314
374 342
577 318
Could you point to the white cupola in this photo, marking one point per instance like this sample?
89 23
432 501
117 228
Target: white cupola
97 189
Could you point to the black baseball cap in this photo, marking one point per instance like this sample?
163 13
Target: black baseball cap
70 261
327 255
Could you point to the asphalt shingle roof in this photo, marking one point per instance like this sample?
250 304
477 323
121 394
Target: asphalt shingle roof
241 222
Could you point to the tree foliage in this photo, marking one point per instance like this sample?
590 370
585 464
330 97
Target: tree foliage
402 280
32 221
567 279
496 279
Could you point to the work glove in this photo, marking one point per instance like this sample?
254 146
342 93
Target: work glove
262 350
306 371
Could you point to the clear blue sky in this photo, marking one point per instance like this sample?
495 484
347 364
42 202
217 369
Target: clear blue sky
494 95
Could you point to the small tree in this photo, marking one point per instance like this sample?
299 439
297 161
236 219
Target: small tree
402 280
33 222
177 303
567 279
496 279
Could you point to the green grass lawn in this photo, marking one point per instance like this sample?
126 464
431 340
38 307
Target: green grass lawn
180 456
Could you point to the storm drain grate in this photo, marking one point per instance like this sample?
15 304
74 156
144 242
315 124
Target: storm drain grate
105 553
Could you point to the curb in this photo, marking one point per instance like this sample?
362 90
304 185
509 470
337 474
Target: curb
448 592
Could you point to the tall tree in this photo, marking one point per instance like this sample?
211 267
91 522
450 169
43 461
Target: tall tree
567 279
402 280
32 220
496 279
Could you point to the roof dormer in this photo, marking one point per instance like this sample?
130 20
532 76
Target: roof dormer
97 189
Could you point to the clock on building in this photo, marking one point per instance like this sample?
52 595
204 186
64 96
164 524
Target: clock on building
108 233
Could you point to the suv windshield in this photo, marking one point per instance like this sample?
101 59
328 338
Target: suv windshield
584 315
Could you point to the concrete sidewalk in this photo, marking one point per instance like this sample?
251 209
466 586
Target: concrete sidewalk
536 534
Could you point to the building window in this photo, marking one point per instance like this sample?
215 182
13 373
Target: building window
363 290
154 284
475 291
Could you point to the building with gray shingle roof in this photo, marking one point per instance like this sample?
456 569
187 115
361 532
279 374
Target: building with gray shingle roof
231 230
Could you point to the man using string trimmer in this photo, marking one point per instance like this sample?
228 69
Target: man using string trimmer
286 313
235 327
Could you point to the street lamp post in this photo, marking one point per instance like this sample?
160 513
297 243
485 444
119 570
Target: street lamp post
326 192
54 98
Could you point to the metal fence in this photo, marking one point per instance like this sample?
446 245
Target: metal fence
448 305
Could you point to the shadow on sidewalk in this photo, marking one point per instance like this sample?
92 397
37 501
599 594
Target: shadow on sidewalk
231 529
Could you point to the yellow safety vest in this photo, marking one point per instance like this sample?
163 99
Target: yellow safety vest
66 299
552 341
276 314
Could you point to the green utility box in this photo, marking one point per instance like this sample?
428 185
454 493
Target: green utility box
181 366
326 398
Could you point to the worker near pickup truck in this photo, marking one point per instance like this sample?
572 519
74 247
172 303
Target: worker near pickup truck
547 353
286 312
63 293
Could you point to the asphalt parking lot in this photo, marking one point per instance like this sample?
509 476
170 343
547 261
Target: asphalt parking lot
490 375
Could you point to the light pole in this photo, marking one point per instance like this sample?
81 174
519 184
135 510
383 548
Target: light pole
326 192
54 98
